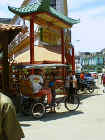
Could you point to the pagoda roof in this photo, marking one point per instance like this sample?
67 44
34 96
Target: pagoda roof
43 11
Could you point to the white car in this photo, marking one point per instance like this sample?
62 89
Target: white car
94 75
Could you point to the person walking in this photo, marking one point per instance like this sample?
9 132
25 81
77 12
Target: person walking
10 128
74 83
103 82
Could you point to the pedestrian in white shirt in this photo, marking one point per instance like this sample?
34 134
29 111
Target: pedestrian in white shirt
37 81
70 83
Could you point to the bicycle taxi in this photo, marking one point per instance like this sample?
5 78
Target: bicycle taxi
38 104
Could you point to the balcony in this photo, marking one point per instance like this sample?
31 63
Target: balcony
17 41
20 42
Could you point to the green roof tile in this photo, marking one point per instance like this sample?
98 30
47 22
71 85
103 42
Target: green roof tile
43 6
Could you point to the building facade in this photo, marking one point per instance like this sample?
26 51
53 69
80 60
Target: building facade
78 66
92 61
60 5
5 20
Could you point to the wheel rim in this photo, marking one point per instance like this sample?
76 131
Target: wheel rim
72 103
38 110
91 89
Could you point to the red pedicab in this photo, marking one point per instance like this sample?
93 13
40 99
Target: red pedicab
38 104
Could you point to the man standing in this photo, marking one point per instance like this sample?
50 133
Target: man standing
82 76
9 127
103 81
70 83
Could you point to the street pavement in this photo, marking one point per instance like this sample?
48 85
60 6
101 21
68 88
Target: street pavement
87 123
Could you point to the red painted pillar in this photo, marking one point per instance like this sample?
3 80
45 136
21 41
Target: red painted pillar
63 51
73 60
62 46
32 40
73 56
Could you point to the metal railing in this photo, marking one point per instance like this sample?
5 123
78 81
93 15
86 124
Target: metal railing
17 40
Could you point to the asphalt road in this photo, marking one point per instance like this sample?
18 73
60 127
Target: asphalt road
87 123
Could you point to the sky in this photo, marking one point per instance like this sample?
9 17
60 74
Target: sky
88 35
4 12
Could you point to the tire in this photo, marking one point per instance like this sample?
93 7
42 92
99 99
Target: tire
38 110
91 89
72 103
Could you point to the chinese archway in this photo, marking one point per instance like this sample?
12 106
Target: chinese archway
44 15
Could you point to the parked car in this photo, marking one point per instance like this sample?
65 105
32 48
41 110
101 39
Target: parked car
94 75
90 79
100 74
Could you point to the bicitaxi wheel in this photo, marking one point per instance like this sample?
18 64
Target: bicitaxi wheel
72 102
38 110
91 89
